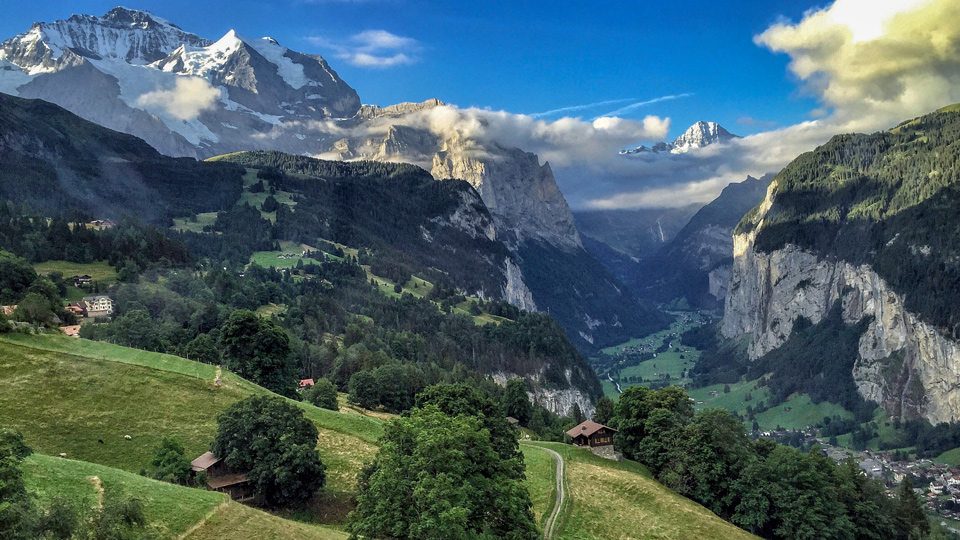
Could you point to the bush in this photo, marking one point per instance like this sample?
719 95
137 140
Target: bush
323 394
170 462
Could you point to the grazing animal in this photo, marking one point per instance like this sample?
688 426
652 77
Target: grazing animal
127 437
63 454
100 441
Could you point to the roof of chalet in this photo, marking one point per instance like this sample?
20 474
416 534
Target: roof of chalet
306 382
587 428
204 462
71 330
512 421
218 482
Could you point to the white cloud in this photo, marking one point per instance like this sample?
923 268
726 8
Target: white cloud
190 97
373 49
870 63
875 62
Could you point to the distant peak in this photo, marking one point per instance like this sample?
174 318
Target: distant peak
134 17
698 135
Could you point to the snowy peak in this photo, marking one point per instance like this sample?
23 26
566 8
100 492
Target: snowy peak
697 136
136 37
701 134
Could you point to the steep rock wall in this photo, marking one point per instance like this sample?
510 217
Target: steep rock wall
908 366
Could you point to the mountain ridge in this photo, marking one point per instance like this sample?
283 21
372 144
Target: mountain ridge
698 135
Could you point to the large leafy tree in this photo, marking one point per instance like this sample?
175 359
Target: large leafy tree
437 477
461 399
259 350
515 400
634 408
16 275
17 514
270 438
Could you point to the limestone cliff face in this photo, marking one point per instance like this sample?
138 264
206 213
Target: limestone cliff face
908 366
521 194
557 401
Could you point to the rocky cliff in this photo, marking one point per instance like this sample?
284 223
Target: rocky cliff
858 243
695 264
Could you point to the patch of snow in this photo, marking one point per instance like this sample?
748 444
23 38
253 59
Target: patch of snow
228 126
233 106
12 77
291 72
300 136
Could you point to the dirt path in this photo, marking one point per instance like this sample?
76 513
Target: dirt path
551 525
98 486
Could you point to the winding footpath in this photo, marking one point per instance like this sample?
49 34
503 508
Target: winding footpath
550 526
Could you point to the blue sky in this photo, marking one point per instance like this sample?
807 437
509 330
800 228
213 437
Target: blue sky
802 70
523 57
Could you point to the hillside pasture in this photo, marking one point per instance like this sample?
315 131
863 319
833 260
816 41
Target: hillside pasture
68 403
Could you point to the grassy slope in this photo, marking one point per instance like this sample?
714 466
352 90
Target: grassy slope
100 271
236 521
170 510
75 401
541 471
620 500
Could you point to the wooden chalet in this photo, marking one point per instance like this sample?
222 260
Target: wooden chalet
513 421
220 478
592 434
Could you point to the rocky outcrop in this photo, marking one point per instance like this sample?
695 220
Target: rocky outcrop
521 194
557 401
908 366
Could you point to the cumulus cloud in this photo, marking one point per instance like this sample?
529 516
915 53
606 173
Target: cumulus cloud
870 63
873 62
373 49
190 97
564 142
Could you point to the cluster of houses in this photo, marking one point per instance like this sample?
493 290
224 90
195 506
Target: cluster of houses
92 307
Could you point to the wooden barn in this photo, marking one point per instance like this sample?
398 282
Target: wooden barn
592 434
221 479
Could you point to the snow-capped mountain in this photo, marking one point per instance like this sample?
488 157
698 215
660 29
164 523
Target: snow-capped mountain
697 136
187 96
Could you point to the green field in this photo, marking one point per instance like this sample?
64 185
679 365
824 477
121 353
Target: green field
623 361
189 225
607 499
541 472
257 199
796 413
75 401
100 271
170 510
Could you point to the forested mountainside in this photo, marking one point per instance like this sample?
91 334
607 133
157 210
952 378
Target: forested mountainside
869 222
56 161
431 240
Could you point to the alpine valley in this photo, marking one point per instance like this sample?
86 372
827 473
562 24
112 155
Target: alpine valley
236 301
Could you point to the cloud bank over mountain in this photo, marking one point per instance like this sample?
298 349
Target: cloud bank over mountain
870 64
